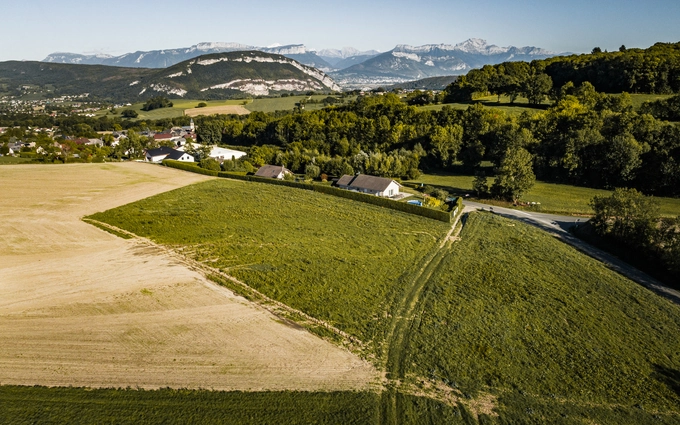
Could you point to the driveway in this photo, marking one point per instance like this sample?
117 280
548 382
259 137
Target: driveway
558 226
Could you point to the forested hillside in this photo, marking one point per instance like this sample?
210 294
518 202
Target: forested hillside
652 70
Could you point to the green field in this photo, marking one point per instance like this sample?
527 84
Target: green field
40 405
522 104
514 312
335 259
179 105
554 198
177 110
14 160
288 103
47 406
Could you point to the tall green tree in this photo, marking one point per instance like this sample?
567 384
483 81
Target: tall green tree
515 175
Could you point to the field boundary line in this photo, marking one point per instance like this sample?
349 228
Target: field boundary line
263 300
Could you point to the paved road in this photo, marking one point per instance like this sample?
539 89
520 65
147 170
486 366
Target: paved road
549 222
558 226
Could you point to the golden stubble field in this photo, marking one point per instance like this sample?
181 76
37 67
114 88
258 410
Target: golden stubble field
81 307
211 110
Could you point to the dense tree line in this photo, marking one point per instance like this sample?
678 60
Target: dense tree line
652 70
156 103
663 109
630 224
585 138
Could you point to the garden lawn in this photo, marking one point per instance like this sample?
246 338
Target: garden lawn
338 260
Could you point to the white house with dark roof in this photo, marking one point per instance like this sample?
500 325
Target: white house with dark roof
164 152
272 171
378 186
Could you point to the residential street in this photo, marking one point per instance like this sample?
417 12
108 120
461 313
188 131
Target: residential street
558 226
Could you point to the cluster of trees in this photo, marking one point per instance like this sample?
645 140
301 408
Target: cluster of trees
156 103
652 70
663 109
630 222
586 138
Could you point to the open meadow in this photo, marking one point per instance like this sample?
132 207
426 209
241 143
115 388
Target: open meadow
553 197
82 307
522 105
548 331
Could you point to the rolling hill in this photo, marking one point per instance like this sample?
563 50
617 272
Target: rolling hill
214 76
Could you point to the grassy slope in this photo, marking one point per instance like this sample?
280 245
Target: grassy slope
515 311
557 198
335 259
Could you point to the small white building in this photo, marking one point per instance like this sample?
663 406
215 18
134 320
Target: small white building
220 154
378 186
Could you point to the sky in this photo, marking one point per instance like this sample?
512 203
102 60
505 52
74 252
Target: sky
32 29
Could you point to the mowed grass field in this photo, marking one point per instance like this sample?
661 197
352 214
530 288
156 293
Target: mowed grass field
553 198
337 260
515 312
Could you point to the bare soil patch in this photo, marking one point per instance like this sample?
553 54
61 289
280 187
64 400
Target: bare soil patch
79 306
211 110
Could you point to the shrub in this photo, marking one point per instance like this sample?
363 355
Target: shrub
312 171
209 164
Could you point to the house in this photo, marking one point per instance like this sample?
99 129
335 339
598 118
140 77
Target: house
378 186
272 171
163 137
159 154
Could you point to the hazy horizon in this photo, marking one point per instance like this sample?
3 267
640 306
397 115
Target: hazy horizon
41 28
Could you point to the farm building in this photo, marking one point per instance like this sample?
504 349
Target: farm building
378 186
272 171
159 154
220 154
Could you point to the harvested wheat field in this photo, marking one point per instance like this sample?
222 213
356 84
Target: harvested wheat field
81 307
211 110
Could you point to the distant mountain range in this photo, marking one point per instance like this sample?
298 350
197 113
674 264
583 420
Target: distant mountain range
407 63
350 67
169 57
212 76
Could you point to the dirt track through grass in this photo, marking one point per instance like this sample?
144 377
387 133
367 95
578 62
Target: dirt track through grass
395 349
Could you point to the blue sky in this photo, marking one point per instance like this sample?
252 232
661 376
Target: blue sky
34 28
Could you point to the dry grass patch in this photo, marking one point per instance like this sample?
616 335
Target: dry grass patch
212 110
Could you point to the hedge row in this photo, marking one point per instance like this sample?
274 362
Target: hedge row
328 190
